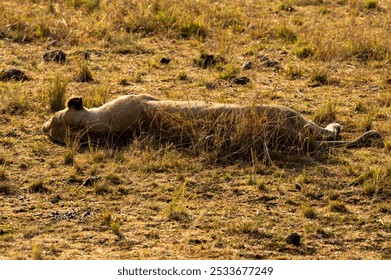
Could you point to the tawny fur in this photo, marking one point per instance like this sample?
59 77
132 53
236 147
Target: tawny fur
132 115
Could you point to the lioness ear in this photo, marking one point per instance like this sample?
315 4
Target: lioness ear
75 103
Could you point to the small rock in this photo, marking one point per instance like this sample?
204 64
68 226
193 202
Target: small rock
293 239
56 56
90 180
165 60
38 187
12 74
241 80
262 57
247 65
55 199
205 60
211 85
270 63
298 187
87 55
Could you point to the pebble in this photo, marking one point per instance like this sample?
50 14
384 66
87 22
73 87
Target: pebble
165 60
293 239
56 56
247 65
241 80
12 74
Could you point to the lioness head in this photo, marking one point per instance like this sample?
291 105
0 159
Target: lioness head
65 122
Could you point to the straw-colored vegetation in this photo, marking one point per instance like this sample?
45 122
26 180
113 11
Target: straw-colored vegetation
329 60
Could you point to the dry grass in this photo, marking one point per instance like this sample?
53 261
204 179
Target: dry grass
223 138
327 59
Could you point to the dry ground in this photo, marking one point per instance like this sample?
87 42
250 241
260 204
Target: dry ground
327 59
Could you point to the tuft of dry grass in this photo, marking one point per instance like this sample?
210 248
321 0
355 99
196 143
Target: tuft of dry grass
36 252
326 113
225 137
370 4
286 34
309 212
7 188
303 52
56 93
38 187
84 74
176 209
96 97
337 206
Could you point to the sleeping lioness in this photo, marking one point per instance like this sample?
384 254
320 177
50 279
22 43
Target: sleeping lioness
196 123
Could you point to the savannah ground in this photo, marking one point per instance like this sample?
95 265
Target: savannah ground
329 60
